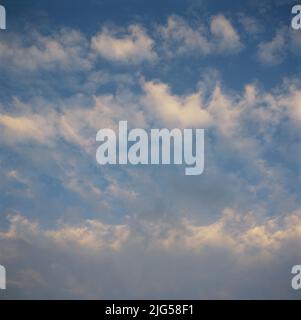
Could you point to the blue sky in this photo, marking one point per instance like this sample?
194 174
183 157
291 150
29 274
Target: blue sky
72 229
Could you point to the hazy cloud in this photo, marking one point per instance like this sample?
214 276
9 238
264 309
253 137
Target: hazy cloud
133 46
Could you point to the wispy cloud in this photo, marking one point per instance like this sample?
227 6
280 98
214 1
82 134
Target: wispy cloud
132 46
79 230
92 247
66 49
227 38
181 38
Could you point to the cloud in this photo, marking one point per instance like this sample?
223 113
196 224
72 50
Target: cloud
285 43
116 221
70 50
180 38
28 122
245 234
26 128
213 106
64 50
272 52
291 103
172 110
91 234
79 230
133 46
226 37
96 260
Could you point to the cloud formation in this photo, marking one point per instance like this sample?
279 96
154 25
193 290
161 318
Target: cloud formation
134 46
180 38
95 249
66 49
79 230
179 34
272 52
227 38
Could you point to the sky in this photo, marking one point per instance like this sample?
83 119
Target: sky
72 229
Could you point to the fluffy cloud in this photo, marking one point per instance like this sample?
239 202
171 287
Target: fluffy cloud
173 110
183 39
244 234
133 46
219 109
28 122
92 234
285 42
66 50
272 52
26 128
96 260
227 38
96 232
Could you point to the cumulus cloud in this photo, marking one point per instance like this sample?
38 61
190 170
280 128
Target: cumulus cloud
272 52
291 103
84 259
173 110
227 38
26 128
181 38
91 234
133 46
215 107
284 43
160 217
185 38
28 122
66 50
69 49
240 232
79 230
91 250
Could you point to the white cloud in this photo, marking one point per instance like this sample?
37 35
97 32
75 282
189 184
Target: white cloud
173 110
229 112
92 259
151 244
133 46
26 128
291 103
185 38
66 49
180 38
91 234
238 232
272 52
285 43
226 37
84 259
218 110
